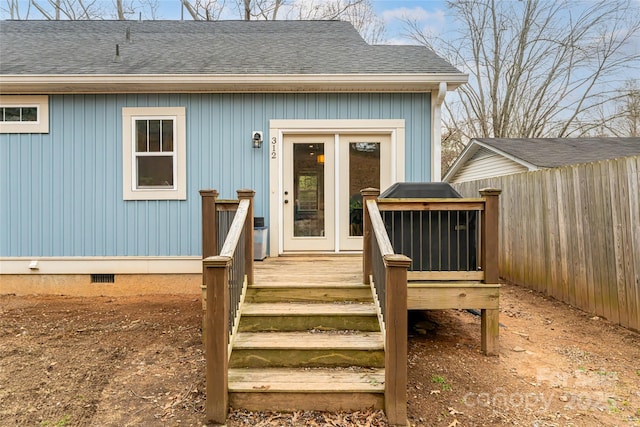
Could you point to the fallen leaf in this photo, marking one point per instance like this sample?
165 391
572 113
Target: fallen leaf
434 392
454 423
453 411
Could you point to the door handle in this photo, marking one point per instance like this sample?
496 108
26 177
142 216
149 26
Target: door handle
286 201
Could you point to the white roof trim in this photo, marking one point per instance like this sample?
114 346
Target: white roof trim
472 148
183 83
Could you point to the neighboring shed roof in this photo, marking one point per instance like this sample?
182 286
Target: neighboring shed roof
554 152
219 48
535 153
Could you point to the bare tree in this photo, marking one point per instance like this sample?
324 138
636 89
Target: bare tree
452 146
12 9
537 67
78 9
359 12
628 122
69 9
204 10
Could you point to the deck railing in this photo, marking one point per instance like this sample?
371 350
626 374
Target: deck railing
227 271
449 241
387 273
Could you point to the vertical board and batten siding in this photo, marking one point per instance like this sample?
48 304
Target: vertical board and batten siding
61 192
486 163
574 233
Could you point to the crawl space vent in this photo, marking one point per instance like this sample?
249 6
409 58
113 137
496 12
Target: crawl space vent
103 278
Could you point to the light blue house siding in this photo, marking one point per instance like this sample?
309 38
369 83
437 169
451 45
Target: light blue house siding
61 192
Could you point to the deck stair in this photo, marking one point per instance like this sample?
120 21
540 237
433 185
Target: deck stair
309 342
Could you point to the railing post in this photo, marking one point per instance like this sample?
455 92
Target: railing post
489 319
395 364
490 234
367 260
216 279
209 223
248 234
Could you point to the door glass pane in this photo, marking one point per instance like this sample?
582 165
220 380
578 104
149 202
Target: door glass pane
364 172
308 183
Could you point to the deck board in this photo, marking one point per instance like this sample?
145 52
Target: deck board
306 309
334 270
309 341
306 380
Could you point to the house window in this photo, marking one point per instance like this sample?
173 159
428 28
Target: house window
154 153
24 114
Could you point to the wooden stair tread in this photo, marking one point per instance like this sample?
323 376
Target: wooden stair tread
306 284
306 309
284 380
418 284
308 341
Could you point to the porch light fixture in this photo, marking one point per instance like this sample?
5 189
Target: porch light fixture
256 139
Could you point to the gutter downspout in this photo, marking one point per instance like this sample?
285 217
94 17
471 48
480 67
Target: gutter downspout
436 132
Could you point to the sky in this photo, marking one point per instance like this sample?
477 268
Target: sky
430 13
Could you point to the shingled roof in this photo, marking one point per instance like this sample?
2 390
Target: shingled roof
486 156
218 48
554 152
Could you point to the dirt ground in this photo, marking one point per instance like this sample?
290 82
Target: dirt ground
138 361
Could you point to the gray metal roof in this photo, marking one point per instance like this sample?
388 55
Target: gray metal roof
554 152
196 47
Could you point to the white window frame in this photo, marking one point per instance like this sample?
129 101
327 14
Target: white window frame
129 186
40 102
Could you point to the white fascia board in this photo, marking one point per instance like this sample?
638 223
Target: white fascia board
101 265
472 147
197 83
511 157
466 154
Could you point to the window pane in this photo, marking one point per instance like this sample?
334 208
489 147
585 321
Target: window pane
155 171
30 114
154 136
141 136
167 135
364 172
11 114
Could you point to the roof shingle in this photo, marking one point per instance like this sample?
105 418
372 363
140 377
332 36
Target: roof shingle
197 47
554 152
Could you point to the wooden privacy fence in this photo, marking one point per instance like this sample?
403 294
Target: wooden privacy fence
574 233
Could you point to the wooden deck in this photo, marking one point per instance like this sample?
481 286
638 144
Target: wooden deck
304 313
310 270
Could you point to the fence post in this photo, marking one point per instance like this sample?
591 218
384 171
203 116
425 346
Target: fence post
367 260
216 279
489 319
209 223
395 364
248 234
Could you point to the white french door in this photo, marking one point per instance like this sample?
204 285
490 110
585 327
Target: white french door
322 178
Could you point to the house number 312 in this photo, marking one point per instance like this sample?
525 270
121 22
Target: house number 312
273 147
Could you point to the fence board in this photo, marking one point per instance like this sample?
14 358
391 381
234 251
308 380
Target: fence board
609 248
633 173
582 298
574 234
